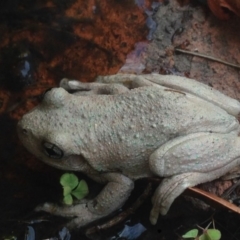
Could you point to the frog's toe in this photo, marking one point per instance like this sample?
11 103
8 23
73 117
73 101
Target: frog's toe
79 213
73 224
46 207
154 216
65 211
161 204
165 194
79 222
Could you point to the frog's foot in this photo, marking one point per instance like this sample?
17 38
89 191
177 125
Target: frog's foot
130 81
111 198
191 160
80 213
168 190
81 88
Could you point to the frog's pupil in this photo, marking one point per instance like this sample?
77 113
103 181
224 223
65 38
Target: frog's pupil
52 151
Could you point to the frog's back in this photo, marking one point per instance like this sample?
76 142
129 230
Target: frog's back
139 121
173 112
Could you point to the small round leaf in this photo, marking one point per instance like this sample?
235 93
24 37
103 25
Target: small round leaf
66 191
214 234
68 199
81 191
69 179
204 236
191 234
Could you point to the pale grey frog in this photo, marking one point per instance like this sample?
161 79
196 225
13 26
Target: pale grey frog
125 127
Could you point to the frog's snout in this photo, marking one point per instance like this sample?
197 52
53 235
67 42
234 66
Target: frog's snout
21 129
24 131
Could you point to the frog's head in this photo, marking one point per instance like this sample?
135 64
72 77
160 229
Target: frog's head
47 132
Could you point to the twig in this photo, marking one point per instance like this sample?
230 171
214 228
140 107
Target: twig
207 57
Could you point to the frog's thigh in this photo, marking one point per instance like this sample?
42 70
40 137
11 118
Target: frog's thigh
213 158
197 152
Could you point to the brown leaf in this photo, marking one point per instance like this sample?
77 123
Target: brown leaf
213 199
222 8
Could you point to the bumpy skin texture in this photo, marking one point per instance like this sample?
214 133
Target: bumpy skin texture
125 127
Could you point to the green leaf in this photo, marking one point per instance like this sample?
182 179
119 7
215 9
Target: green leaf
81 191
68 199
69 179
9 237
66 191
191 234
204 236
214 234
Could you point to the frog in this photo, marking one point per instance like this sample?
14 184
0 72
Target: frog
124 127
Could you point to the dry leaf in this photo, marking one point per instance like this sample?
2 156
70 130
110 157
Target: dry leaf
222 8
212 199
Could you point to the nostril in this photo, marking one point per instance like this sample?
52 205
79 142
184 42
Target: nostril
24 131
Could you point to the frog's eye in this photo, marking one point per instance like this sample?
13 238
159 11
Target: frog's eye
52 151
55 97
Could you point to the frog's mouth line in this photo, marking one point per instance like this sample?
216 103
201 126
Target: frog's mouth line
69 163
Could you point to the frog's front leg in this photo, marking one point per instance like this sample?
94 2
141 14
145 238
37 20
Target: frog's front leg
191 160
111 198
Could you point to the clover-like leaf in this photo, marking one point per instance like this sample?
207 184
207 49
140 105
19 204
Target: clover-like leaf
191 234
69 179
68 199
81 191
66 191
204 236
72 187
214 234
210 234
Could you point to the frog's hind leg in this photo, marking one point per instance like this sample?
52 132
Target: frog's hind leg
188 161
230 105
186 85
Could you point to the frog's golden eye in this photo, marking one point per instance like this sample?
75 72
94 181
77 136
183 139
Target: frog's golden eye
51 150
